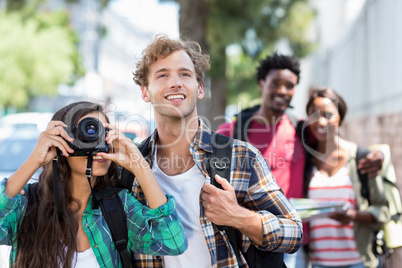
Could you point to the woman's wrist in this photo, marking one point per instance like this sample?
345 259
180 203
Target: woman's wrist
139 166
364 217
19 179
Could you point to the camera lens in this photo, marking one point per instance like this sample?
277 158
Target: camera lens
90 129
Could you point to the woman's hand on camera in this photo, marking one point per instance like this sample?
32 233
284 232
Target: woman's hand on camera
123 150
53 137
126 154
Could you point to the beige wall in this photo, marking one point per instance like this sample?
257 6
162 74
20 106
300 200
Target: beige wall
378 129
374 130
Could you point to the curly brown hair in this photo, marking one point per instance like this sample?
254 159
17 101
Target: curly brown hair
43 240
161 47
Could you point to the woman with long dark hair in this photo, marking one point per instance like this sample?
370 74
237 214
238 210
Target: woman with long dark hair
43 236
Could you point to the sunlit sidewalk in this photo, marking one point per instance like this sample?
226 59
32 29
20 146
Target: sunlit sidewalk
4 256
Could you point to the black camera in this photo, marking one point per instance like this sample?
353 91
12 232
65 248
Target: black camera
89 137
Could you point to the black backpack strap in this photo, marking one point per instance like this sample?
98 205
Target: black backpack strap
361 153
308 171
113 212
303 134
126 182
219 164
243 123
221 157
222 149
126 179
107 193
298 125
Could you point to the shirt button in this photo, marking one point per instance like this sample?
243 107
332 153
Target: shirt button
86 225
96 246
84 214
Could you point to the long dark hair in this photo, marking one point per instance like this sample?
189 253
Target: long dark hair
43 240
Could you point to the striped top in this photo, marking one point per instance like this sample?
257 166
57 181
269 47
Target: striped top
332 243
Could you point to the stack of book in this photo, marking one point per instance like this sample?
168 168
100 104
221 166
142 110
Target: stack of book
310 209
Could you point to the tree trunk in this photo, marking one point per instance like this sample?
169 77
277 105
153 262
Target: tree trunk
13 5
218 102
192 24
193 20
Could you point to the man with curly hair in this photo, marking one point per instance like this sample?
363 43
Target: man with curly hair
170 75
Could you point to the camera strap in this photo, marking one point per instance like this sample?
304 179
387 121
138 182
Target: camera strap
88 174
88 171
56 189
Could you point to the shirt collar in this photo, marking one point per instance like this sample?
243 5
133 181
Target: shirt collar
202 139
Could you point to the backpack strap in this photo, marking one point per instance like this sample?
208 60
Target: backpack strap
221 157
298 125
241 129
219 164
113 212
361 153
115 221
243 122
222 152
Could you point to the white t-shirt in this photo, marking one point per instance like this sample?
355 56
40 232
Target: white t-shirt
186 189
85 259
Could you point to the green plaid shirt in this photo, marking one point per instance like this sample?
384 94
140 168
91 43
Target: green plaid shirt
255 188
151 231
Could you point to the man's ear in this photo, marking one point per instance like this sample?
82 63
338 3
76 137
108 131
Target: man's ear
200 94
145 94
261 84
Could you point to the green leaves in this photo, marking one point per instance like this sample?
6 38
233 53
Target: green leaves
255 26
37 54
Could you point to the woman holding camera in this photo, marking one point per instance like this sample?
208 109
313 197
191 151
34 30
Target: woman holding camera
78 236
